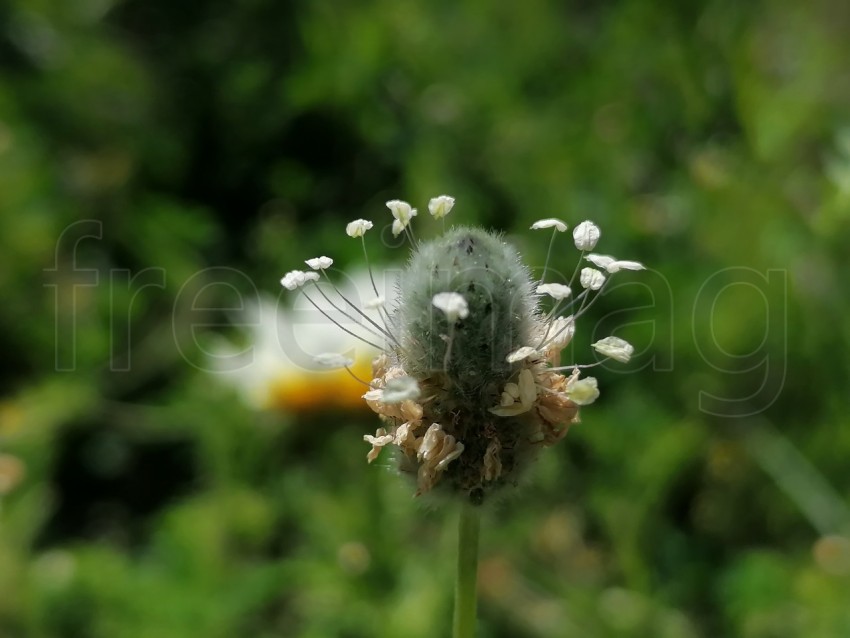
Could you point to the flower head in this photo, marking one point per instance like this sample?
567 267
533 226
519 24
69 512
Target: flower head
469 386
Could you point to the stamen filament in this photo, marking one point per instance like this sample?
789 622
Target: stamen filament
340 326
548 254
383 331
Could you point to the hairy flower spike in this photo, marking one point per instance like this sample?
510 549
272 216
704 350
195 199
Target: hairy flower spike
469 386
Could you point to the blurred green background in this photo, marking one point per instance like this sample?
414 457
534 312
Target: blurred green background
163 163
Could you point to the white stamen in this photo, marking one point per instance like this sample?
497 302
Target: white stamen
549 223
591 278
585 235
320 263
556 291
441 206
358 227
615 348
452 304
297 278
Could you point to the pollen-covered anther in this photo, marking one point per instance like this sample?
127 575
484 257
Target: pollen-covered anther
591 278
358 227
320 263
556 291
585 235
441 206
452 304
550 222
297 278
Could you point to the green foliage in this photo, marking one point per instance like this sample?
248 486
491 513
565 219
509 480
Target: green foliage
184 155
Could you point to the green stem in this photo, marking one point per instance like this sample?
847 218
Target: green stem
466 597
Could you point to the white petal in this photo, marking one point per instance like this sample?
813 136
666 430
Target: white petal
332 360
549 223
600 261
556 291
377 302
615 348
614 266
398 227
320 263
520 354
585 235
583 391
591 278
401 389
453 304
441 206
358 227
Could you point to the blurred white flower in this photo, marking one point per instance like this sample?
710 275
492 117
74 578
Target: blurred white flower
284 361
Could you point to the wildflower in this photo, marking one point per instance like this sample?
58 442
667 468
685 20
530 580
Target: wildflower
468 383
585 235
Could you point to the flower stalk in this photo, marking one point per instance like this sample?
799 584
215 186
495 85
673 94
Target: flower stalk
466 580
